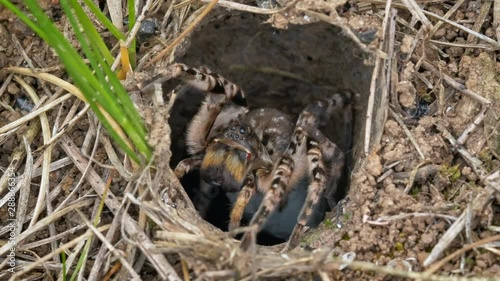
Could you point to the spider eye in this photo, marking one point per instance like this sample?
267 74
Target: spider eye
249 155
242 130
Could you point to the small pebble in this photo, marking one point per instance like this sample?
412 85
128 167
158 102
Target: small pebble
13 89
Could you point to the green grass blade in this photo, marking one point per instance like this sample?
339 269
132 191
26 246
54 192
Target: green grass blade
79 71
117 103
64 269
131 20
134 129
95 39
104 20
111 96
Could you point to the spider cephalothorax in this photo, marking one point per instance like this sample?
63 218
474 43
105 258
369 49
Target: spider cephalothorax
262 154
231 156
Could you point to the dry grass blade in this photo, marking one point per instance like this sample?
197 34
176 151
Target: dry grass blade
450 12
413 175
66 86
115 12
252 9
190 28
496 18
376 76
468 30
483 13
101 255
24 191
17 157
7 80
453 83
59 236
476 122
159 261
483 37
73 255
473 161
408 133
44 222
471 46
464 249
113 250
33 114
47 154
65 128
417 12
65 247
478 204
113 158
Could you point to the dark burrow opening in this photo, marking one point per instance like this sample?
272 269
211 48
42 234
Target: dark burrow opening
283 69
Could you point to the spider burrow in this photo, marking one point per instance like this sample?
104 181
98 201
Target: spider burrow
260 152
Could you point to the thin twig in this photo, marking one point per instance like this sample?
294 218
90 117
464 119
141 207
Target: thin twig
450 22
463 28
188 30
458 252
454 84
132 35
373 83
448 14
496 19
477 121
408 133
480 19
412 177
478 204
417 13
252 9
474 162
160 263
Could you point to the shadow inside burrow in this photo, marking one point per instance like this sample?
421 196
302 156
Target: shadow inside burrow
284 69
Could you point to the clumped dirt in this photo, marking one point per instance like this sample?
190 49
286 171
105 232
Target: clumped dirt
399 202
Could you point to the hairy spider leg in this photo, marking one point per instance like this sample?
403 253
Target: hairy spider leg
211 83
187 165
320 150
282 173
242 200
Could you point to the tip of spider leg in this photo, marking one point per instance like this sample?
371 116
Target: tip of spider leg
294 238
231 229
246 241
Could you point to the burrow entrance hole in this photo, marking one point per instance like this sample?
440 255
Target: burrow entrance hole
284 69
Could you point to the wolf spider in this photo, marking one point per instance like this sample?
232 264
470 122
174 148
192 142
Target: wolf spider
261 150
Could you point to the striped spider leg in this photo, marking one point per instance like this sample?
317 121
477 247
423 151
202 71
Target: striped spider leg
309 153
